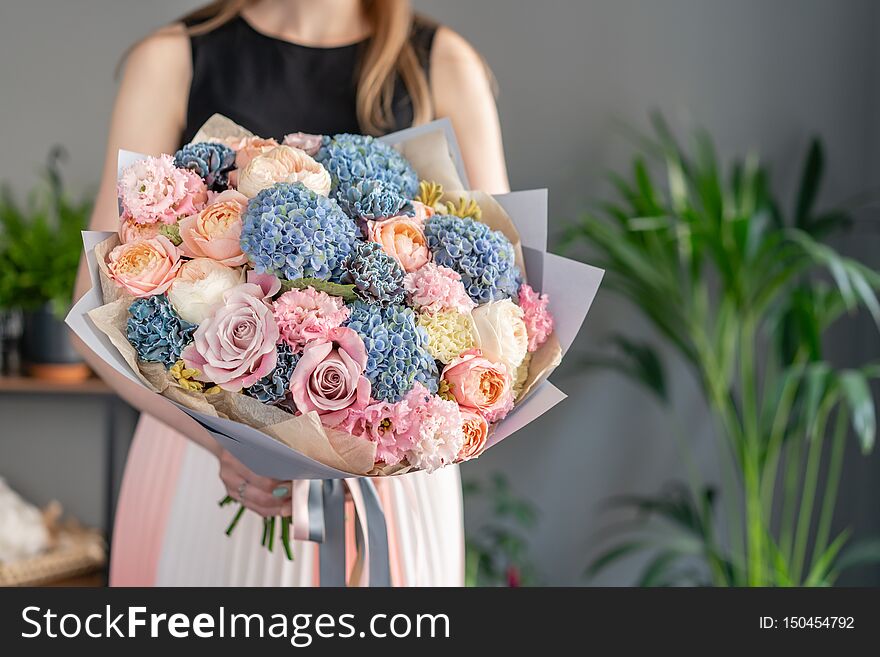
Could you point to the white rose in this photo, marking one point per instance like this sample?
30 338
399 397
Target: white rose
199 287
501 332
283 164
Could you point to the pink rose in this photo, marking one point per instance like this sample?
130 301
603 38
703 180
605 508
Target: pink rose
480 385
403 239
329 377
311 144
235 346
131 231
215 232
476 432
145 267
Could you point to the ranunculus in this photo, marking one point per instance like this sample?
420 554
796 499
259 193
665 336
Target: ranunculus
403 239
215 232
153 190
132 231
235 346
480 385
283 164
247 148
501 332
329 377
311 144
476 432
199 288
145 267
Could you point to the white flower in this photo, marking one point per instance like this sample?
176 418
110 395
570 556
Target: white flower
199 287
501 332
283 164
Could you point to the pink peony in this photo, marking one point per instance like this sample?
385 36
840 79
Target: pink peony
215 232
403 239
311 144
145 267
435 430
235 346
131 231
478 384
329 376
153 190
476 433
537 317
433 289
307 314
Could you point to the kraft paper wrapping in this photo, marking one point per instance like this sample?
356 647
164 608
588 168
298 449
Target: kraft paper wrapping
435 158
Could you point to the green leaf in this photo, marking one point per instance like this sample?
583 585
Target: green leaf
615 554
809 187
637 361
819 574
658 569
346 292
857 395
859 553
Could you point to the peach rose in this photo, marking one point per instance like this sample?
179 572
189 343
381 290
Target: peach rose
422 212
132 231
247 148
476 432
283 164
146 267
403 239
480 385
215 232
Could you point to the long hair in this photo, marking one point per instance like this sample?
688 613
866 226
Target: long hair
389 53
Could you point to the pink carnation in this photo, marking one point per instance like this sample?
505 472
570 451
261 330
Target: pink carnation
307 314
153 190
387 425
435 430
433 289
536 315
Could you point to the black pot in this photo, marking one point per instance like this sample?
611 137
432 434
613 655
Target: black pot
46 339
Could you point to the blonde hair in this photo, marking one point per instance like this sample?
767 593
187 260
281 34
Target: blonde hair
389 53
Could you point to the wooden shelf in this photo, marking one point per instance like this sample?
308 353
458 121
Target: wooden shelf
26 384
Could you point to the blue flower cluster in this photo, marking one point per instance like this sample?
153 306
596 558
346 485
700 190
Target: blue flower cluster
373 199
156 331
349 158
377 276
292 232
397 356
484 257
273 387
210 160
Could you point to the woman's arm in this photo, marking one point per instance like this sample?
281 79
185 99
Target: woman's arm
462 91
148 117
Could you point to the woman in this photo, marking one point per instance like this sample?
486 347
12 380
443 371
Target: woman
275 67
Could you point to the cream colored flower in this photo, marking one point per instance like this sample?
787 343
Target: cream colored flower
501 332
283 164
450 333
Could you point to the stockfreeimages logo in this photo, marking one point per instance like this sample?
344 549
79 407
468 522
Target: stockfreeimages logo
299 629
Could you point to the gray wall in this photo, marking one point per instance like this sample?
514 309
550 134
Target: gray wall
757 73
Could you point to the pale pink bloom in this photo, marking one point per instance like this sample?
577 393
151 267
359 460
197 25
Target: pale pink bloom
311 144
480 385
131 231
329 376
385 424
536 315
283 164
145 267
476 433
154 190
270 284
433 289
403 239
235 346
422 212
307 314
215 232
435 430
247 148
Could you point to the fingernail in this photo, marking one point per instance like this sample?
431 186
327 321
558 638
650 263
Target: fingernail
281 491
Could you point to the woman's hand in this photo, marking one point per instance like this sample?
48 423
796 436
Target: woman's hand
266 497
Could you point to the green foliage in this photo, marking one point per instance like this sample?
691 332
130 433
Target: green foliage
346 291
41 244
744 295
497 554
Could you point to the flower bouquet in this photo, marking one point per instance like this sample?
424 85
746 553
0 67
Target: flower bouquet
332 307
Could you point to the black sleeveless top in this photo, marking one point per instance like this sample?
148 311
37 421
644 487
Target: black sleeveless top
274 87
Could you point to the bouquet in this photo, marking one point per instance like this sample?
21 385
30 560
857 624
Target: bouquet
326 306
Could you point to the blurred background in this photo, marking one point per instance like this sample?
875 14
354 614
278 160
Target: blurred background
759 76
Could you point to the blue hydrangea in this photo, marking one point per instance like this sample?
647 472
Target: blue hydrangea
273 388
349 158
210 160
292 232
377 276
484 257
156 331
397 355
373 199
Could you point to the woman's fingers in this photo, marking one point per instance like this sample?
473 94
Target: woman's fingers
274 487
267 497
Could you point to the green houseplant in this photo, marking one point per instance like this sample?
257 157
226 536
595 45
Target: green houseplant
40 247
744 294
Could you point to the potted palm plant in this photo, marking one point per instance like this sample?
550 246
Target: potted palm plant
744 295
40 246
